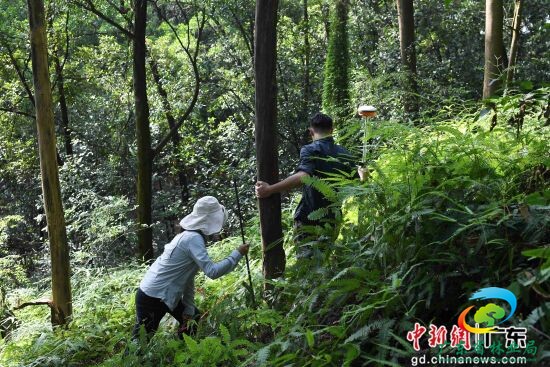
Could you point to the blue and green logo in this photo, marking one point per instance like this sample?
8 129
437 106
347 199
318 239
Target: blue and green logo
491 314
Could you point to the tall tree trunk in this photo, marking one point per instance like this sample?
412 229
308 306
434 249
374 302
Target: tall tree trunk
405 11
494 47
61 284
514 44
336 73
265 61
307 52
143 134
63 107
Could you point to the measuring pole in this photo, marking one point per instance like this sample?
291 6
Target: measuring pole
239 214
365 112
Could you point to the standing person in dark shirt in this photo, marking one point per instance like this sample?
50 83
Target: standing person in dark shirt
320 159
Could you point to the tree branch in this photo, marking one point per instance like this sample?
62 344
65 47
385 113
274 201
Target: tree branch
39 302
19 72
193 60
66 53
183 11
246 38
17 112
164 98
218 30
89 5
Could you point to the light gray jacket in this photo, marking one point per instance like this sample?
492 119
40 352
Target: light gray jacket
172 275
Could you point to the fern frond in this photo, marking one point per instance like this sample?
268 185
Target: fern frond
226 337
345 285
191 344
365 331
318 214
322 186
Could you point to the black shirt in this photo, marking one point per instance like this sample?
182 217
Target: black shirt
322 158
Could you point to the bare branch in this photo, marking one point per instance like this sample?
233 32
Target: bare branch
202 23
219 31
17 112
47 302
183 11
66 54
89 5
193 60
122 10
164 97
248 42
18 70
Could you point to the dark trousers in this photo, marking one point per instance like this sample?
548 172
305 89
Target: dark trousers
150 310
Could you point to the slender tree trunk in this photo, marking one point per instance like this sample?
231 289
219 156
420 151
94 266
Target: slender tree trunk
143 134
494 47
61 285
514 44
265 61
405 11
63 107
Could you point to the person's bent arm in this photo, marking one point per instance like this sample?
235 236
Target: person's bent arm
211 269
263 189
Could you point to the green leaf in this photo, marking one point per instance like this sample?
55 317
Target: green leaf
310 338
191 344
360 334
226 337
451 130
526 85
537 198
320 185
263 354
543 253
337 330
318 214
352 353
345 285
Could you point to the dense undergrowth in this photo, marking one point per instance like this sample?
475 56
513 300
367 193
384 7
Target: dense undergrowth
449 208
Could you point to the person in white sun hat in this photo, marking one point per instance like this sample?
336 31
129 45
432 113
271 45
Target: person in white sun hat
169 284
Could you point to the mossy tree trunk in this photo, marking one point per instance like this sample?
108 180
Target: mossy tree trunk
336 74
307 56
57 234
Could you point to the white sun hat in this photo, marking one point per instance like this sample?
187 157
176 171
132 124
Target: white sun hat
208 216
